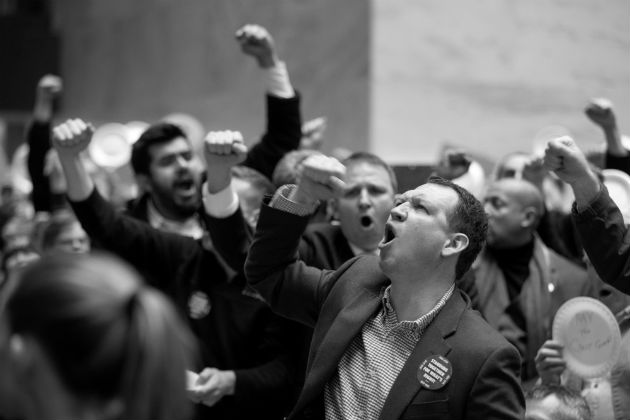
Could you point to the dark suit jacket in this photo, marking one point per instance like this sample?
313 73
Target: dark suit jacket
324 246
606 240
485 382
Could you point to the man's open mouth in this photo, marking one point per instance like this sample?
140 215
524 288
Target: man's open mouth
389 234
366 221
184 185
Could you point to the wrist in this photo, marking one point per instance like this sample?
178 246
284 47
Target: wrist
614 146
68 157
43 111
217 182
231 382
267 62
298 195
585 189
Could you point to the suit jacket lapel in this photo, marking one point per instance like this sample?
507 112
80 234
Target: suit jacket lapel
342 331
432 342
344 252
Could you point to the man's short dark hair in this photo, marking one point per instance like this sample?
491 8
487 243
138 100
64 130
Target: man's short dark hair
158 133
469 218
372 159
572 405
255 178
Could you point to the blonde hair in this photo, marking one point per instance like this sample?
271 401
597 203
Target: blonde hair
109 336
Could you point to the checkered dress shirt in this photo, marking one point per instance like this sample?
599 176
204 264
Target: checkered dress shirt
369 367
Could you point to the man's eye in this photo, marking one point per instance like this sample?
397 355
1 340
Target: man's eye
420 206
496 203
351 192
374 190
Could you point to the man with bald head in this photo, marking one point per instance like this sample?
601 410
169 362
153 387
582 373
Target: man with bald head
521 282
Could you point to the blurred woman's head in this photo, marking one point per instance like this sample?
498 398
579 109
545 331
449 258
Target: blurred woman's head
64 233
81 336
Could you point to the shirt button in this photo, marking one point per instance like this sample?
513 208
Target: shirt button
360 413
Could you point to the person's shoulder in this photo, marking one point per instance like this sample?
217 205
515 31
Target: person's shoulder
478 336
325 234
362 271
322 229
137 208
564 266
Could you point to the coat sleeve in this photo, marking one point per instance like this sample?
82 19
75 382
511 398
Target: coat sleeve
621 163
606 240
38 140
497 392
283 134
289 286
157 254
231 237
273 382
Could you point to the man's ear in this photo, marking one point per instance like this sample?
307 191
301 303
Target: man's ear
530 215
144 183
456 244
21 349
331 209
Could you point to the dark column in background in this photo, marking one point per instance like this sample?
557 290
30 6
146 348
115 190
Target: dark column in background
28 50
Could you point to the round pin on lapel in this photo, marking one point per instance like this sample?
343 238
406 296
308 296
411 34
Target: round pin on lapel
198 305
434 372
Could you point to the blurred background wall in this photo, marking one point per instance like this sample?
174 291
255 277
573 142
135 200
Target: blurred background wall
491 74
396 77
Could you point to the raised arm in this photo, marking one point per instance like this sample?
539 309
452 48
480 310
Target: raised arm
227 227
291 288
600 224
600 111
284 122
38 139
70 139
270 382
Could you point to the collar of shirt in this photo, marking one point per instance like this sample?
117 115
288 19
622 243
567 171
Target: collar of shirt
416 327
190 227
360 251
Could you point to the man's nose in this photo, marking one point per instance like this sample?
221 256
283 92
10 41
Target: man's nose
364 199
77 245
399 213
182 162
487 207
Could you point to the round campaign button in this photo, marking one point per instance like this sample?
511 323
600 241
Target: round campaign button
199 305
434 372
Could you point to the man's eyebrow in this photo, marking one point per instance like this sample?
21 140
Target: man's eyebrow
421 200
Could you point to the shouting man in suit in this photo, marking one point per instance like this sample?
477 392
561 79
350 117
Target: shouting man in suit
393 338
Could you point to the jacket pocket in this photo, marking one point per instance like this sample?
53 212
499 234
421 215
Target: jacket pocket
432 410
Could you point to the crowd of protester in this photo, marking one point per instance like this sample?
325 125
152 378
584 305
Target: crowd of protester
273 280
